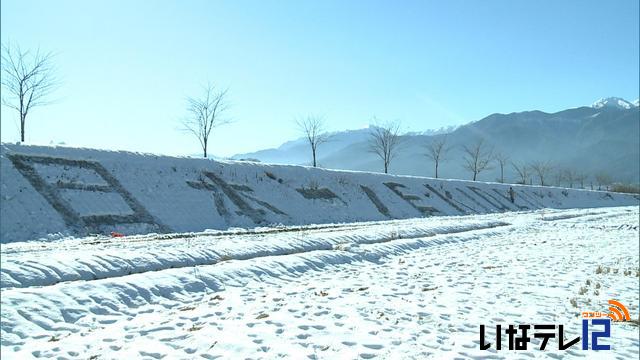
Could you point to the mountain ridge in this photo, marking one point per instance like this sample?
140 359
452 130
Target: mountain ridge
589 139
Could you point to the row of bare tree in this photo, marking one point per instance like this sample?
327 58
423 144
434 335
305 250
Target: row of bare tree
548 174
478 158
385 140
28 78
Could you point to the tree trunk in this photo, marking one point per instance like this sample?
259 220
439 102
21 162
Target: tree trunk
436 170
23 119
204 148
314 157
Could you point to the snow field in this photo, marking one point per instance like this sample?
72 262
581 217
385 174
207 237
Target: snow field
415 288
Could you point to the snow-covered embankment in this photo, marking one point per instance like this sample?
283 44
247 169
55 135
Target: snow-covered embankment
78 192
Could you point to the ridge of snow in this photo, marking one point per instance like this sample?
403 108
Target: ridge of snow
103 257
614 102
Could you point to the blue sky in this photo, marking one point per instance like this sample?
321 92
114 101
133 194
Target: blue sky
127 66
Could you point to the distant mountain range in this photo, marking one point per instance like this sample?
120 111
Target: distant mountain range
603 137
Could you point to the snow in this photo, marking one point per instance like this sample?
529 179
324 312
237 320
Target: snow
53 192
248 260
414 288
614 102
33 265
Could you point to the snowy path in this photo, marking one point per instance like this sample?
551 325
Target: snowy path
399 289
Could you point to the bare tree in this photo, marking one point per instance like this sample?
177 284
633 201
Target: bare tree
559 177
603 179
28 79
313 129
542 169
573 176
503 160
570 175
523 172
384 142
437 151
581 177
477 158
205 114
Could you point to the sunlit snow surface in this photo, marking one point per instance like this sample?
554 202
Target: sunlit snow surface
417 288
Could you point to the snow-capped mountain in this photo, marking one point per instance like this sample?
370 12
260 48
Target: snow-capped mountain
432 132
636 102
614 102
598 138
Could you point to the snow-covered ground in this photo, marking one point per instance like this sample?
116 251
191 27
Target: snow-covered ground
416 288
52 192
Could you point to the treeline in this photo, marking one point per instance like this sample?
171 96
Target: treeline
385 142
28 78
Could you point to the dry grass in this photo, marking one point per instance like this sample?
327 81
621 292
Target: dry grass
574 302
194 327
582 291
626 188
54 338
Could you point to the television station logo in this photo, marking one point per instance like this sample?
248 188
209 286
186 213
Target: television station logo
596 328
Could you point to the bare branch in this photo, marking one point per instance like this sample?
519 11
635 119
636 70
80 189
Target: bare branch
603 179
503 160
206 113
437 151
523 172
384 141
477 158
542 169
581 178
313 129
27 79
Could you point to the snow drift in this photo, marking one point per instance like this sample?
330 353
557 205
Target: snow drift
69 191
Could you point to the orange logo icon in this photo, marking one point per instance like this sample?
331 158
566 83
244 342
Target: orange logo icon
618 311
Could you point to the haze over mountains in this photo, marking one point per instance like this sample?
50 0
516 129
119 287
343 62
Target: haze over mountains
603 137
